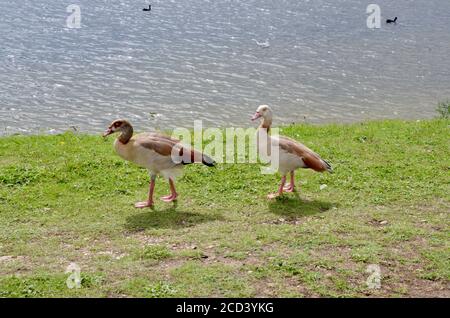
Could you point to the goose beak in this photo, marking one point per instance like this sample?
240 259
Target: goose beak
256 116
107 132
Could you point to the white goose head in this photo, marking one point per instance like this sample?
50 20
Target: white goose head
264 112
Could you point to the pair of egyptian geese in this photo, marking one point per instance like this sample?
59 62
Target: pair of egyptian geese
155 151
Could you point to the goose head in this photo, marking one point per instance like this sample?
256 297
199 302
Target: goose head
119 125
264 112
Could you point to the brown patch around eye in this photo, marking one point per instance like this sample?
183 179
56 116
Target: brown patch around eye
116 125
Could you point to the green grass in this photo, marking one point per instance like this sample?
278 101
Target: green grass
69 198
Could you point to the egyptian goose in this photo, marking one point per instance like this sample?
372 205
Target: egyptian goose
149 8
391 21
160 154
292 154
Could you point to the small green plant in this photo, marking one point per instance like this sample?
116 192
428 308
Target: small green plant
160 290
19 175
443 108
154 252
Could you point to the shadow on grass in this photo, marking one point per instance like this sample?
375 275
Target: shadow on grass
295 206
169 218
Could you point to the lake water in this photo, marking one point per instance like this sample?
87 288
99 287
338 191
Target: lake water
199 59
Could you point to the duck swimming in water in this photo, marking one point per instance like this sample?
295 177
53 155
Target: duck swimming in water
391 21
149 8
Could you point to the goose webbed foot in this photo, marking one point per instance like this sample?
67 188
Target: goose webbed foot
280 189
173 192
273 195
170 198
289 187
144 204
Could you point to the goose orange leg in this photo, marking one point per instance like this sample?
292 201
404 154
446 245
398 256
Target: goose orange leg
280 189
290 187
149 202
173 193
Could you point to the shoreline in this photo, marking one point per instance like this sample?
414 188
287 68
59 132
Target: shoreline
75 129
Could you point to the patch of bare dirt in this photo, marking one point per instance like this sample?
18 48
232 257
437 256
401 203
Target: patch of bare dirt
145 239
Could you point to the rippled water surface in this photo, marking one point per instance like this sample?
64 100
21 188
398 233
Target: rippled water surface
200 59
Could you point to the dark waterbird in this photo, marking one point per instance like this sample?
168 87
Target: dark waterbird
149 8
391 21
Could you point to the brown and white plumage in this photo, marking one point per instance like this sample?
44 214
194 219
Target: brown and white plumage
292 154
302 157
160 154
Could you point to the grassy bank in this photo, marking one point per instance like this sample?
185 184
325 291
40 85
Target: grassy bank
69 198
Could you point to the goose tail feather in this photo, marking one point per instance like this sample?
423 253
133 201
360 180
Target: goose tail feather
328 167
208 161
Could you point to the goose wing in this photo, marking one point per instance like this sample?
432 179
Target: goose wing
309 157
168 146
